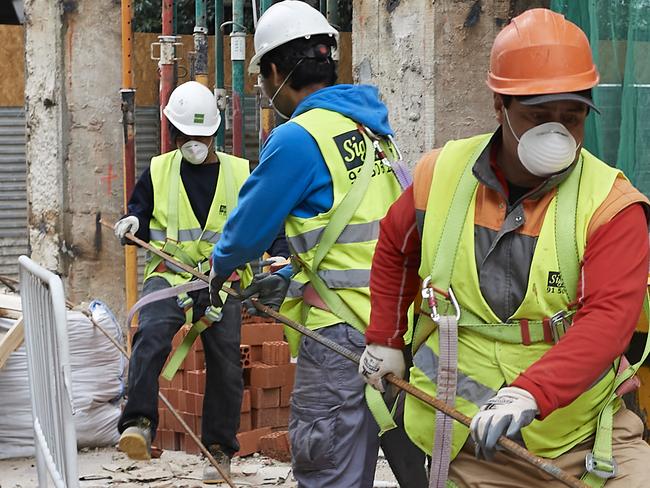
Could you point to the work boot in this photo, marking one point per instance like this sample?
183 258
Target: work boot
135 441
210 474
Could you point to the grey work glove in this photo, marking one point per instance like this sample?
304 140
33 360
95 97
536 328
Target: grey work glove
505 414
130 223
377 361
215 283
270 289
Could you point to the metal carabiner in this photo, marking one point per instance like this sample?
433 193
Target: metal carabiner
429 294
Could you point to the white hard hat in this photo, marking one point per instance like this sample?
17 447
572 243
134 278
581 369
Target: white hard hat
193 110
284 22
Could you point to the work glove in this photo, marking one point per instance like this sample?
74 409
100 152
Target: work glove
130 223
505 414
215 282
270 289
377 361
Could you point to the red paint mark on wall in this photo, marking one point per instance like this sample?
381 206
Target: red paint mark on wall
108 179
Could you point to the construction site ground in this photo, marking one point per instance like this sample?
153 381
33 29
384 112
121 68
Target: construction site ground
109 468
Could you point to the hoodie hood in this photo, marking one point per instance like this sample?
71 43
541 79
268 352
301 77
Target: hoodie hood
359 102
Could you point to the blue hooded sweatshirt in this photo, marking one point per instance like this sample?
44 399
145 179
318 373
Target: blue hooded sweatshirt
292 177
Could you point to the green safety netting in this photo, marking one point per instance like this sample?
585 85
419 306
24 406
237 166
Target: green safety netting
619 33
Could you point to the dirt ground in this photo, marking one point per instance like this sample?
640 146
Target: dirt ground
110 468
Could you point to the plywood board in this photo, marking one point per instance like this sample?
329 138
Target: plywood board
11 341
12 53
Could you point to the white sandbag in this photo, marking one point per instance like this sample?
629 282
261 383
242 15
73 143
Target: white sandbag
97 369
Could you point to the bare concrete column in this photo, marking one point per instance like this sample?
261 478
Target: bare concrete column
429 60
74 143
45 114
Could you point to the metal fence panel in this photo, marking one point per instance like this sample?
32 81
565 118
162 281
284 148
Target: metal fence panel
48 367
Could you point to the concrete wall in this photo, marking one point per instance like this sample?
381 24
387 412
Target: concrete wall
429 60
74 150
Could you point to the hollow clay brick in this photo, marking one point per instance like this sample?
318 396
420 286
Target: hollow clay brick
256 354
190 446
249 441
245 422
245 355
246 401
276 446
201 381
270 417
285 395
275 352
264 397
262 375
257 334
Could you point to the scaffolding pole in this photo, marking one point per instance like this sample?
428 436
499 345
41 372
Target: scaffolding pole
237 58
128 153
267 117
200 43
166 66
219 86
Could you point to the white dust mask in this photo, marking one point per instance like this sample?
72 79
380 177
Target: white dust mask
545 149
194 152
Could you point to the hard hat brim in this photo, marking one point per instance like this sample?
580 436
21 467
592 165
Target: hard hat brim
556 97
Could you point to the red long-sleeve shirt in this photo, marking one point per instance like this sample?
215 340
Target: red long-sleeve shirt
612 287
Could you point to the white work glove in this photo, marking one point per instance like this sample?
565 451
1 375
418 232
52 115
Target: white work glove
130 223
377 361
505 414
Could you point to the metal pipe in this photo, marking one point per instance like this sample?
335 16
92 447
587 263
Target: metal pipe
166 67
200 43
219 87
237 58
267 117
128 151
507 444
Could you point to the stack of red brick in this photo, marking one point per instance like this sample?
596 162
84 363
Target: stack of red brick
268 379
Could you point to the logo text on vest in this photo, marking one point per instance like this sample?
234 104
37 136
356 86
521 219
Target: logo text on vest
555 284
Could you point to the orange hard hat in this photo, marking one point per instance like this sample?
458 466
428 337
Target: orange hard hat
541 52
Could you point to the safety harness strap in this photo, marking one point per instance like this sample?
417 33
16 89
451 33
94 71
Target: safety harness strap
163 294
173 195
379 410
600 464
566 243
446 391
340 218
443 264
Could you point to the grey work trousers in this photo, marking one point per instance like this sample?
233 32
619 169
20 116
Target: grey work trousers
334 437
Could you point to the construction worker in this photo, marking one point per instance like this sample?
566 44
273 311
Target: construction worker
532 258
180 205
320 175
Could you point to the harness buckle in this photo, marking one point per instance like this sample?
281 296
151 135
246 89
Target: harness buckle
429 294
213 314
600 467
185 302
559 325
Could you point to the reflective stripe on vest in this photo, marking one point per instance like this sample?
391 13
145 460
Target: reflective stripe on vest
345 267
174 227
364 232
566 427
